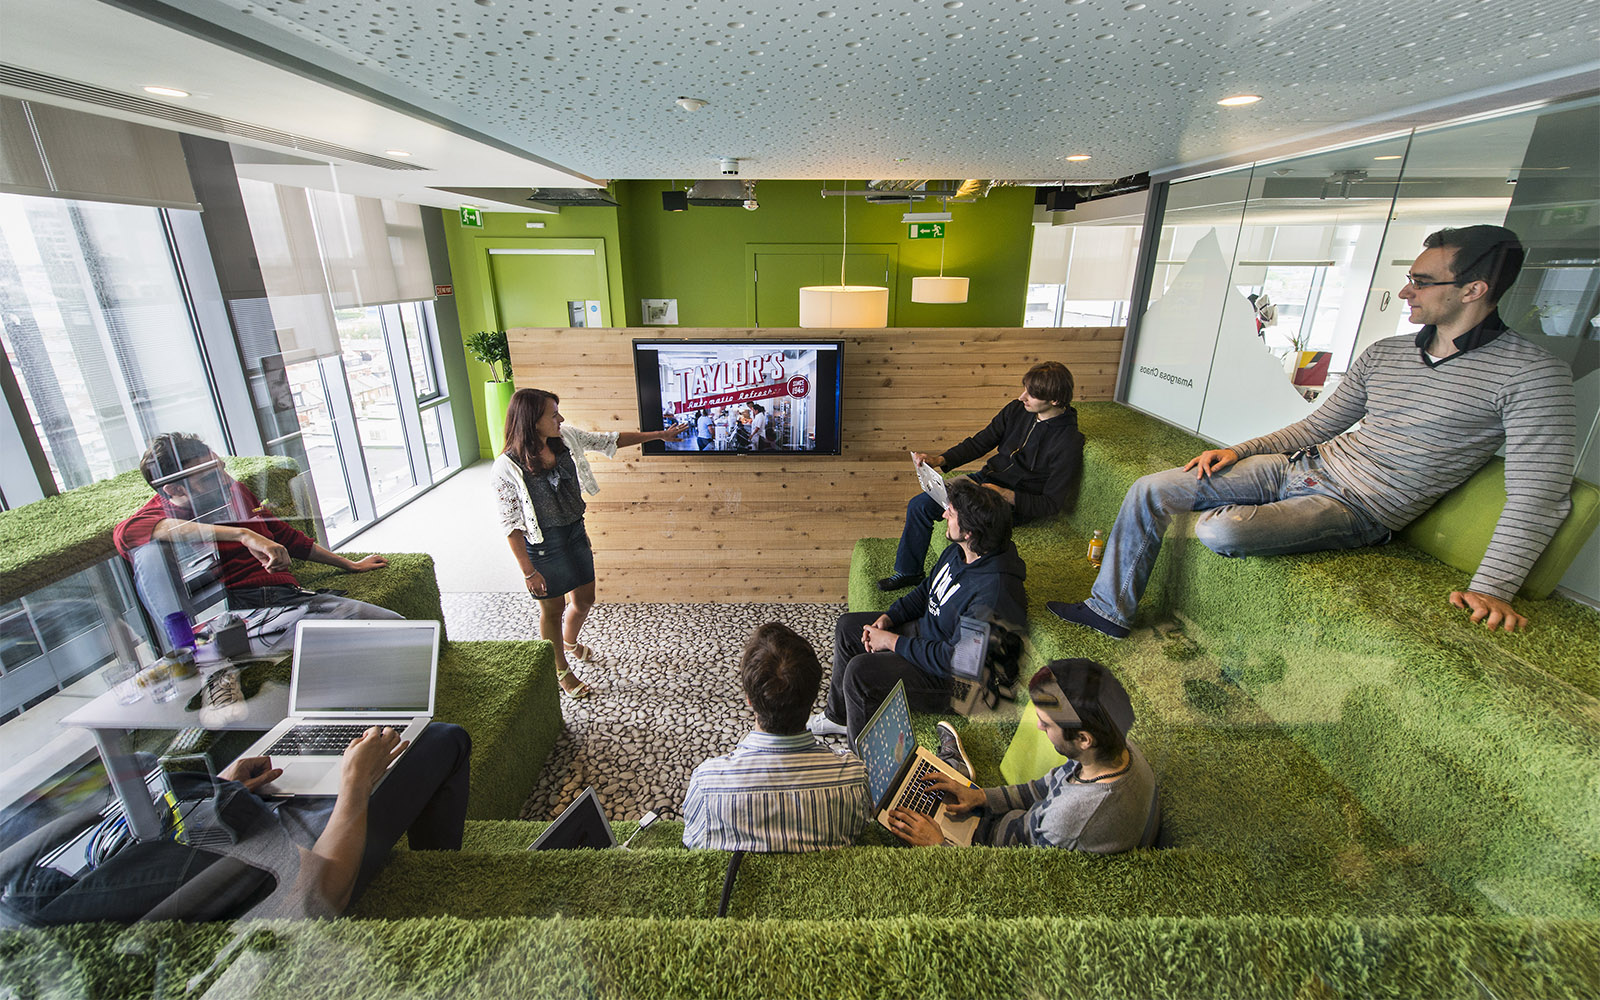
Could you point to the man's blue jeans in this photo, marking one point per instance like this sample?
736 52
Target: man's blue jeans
1265 505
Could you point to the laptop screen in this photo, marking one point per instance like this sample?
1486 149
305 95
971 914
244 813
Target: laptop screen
364 666
582 825
885 741
972 645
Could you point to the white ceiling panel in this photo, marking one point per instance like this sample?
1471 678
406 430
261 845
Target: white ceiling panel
1000 89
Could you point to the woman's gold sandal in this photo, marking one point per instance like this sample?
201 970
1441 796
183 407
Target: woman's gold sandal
578 693
578 651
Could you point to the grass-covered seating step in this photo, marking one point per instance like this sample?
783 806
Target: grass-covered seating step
504 694
407 586
1477 751
1256 826
1048 956
51 539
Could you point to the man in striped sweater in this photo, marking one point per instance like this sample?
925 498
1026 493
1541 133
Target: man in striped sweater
780 789
1433 409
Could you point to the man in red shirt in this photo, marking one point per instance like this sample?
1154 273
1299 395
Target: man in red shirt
197 502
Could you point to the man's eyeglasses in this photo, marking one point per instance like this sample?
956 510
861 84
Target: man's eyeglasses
1416 282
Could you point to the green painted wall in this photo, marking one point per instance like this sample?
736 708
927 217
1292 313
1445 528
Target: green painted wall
699 257
467 254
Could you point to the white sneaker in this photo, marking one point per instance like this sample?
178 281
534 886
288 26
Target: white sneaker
821 725
222 699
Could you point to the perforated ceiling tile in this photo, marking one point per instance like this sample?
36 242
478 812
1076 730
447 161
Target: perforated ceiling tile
919 88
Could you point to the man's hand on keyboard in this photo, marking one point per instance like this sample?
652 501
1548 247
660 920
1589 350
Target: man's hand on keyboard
959 797
915 828
251 772
368 757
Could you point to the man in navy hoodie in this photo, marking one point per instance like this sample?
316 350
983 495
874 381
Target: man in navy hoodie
979 576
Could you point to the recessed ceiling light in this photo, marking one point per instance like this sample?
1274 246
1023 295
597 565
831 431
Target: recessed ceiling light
166 91
1395 156
1077 157
396 152
1239 100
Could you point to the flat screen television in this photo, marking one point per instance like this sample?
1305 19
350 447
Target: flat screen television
741 397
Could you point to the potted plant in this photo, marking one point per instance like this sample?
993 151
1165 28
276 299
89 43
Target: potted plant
491 348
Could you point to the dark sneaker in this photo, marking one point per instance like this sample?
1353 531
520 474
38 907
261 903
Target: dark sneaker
1079 614
899 581
951 751
821 725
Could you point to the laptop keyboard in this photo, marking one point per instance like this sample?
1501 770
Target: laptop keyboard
912 794
316 741
959 689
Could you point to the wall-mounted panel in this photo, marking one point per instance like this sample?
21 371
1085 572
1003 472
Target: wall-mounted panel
684 527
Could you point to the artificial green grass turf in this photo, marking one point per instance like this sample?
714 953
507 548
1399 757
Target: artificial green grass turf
504 694
1489 741
51 539
931 957
407 586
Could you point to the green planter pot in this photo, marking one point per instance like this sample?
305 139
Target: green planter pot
496 399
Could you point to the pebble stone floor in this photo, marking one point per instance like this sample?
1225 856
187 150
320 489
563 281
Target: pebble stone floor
666 695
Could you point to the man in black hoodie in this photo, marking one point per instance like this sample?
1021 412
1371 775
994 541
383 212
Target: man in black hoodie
1038 453
979 576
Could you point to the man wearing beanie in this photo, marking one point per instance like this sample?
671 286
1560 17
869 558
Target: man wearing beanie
1102 800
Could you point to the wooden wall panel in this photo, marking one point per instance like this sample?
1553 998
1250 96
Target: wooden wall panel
684 527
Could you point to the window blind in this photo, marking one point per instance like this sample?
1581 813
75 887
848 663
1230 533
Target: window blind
57 153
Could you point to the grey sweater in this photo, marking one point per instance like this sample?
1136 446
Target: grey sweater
1425 428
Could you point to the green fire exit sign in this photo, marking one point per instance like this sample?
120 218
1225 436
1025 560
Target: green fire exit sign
925 230
472 217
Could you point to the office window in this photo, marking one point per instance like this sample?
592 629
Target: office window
345 278
1081 274
99 334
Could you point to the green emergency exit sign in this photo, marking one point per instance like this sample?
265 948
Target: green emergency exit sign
472 217
925 230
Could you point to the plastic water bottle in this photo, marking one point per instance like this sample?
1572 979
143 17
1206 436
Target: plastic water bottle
1097 548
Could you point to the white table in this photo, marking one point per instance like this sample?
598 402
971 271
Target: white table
111 723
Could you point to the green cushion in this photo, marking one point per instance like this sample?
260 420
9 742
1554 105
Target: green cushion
1458 528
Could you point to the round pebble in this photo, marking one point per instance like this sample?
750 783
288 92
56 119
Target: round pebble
666 693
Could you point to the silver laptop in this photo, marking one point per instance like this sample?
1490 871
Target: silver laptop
896 766
932 483
969 669
347 677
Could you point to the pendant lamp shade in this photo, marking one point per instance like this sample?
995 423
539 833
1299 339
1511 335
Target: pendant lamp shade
848 307
941 289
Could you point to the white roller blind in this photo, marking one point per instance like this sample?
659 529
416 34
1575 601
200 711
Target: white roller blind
291 267
373 250
1102 261
1048 265
57 153
324 250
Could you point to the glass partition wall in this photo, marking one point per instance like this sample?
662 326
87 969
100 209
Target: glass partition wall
1269 280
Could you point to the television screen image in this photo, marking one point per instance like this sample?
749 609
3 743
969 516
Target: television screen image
741 397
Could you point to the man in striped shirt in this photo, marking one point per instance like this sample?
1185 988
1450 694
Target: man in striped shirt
1433 409
780 789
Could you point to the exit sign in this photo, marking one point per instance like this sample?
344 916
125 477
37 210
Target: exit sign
925 230
472 217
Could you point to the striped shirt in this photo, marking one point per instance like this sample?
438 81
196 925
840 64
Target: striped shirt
1101 817
776 793
1426 428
